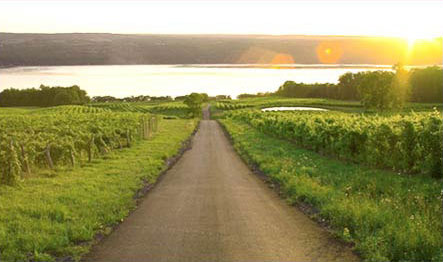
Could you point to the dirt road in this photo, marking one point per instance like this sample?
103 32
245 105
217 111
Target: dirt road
210 207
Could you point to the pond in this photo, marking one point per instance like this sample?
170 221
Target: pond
293 108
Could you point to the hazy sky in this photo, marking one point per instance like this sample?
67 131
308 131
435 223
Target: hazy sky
413 19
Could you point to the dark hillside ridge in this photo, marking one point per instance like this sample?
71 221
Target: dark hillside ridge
110 49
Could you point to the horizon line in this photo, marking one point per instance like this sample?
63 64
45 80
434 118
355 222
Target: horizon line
215 34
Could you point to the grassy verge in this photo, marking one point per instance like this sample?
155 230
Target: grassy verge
44 218
389 217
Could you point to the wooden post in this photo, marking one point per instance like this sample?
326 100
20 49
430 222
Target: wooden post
150 127
120 145
90 148
142 127
145 129
104 148
48 156
128 138
25 162
156 123
72 157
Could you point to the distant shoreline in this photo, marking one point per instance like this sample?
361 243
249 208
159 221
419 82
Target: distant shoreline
10 66
289 66
245 66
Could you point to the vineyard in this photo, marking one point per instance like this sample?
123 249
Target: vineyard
263 102
388 217
409 143
56 218
347 106
375 179
65 136
71 109
177 109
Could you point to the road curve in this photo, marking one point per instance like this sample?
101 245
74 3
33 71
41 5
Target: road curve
210 207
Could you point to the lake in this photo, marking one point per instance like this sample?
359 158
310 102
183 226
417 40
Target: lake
174 80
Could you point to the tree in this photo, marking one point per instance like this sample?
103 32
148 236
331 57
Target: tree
347 86
180 98
205 97
427 85
63 97
302 90
194 101
375 89
44 96
400 87
222 97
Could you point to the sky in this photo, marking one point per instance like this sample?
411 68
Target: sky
409 19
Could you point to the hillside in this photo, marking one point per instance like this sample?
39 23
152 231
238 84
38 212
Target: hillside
104 49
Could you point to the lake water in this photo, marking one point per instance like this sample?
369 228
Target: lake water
174 80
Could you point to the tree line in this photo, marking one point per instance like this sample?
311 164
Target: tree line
378 89
44 96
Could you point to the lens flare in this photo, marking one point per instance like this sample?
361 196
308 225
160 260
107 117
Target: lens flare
282 58
329 52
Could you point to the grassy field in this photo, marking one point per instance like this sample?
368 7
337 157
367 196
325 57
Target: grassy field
47 217
389 217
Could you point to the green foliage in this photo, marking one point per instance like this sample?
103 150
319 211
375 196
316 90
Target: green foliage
53 217
427 84
384 90
400 87
131 99
380 89
11 171
263 102
69 109
57 138
195 101
222 97
243 96
230 106
375 90
410 143
177 109
302 90
44 96
388 217
347 86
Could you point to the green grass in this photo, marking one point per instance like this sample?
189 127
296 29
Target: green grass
389 217
47 217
